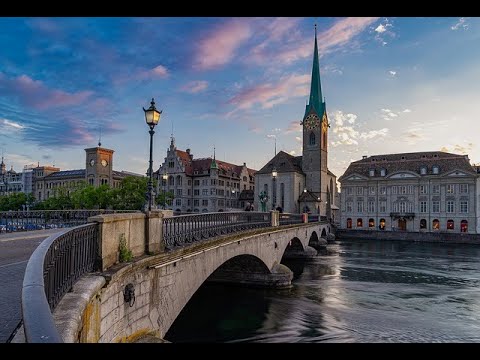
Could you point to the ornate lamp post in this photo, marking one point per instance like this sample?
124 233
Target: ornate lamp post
164 178
274 188
152 117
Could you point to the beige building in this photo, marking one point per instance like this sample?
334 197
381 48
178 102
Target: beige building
204 185
303 183
423 191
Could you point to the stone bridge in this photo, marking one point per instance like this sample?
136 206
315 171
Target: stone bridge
126 301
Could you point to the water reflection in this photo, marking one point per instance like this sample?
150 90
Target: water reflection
356 291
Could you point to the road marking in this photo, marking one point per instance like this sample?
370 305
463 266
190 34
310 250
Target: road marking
15 263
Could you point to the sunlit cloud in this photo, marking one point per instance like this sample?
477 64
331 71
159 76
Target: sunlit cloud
458 148
160 70
407 111
384 32
392 73
461 24
194 87
11 124
294 126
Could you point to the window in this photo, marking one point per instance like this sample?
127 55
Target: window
178 202
382 224
436 188
423 206
383 190
349 190
171 164
171 181
371 206
349 206
205 202
360 206
359 223
189 182
179 192
450 188
196 202
450 206
371 190
372 172
359 190
402 206
464 226
282 195
423 224
189 192
221 182
423 170
196 183
402 189
382 172
371 223
213 182
435 169
220 202
179 180
312 139
383 206
244 178
463 188
213 191
394 190
464 206
189 202
204 192
196 192
436 206
410 189
436 224
450 224
349 223
423 189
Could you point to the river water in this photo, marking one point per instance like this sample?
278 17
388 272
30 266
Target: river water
356 291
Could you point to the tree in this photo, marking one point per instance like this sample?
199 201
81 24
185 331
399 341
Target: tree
164 198
131 193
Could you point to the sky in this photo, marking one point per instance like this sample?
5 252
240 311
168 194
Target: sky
237 84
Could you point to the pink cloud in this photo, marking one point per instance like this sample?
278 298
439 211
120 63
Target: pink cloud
270 94
294 127
194 87
219 46
160 70
36 94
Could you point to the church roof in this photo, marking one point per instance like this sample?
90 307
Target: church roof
412 162
283 162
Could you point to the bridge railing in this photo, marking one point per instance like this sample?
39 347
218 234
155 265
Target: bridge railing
182 229
288 219
51 271
12 221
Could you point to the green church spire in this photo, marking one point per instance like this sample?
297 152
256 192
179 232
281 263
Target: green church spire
213 164
315 100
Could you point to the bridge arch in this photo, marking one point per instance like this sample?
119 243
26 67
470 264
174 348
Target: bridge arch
324 233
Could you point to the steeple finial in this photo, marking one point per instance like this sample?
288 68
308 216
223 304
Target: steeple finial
213 152
100 137
213 164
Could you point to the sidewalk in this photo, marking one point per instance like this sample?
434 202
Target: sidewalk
21 235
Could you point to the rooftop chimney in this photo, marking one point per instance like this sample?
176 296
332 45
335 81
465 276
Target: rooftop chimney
364 156
188 151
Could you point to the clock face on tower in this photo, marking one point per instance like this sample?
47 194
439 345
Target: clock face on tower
311 121
104 163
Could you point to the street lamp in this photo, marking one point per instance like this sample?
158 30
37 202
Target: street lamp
274 188
164 187
152 117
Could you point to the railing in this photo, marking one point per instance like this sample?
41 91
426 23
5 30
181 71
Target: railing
288 219
12 221
182 229
51 271
313 218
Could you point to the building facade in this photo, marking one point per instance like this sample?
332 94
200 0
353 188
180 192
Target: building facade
423 191
11 182
204 185
303 183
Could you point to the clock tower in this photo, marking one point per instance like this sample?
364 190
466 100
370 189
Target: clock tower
315 140
98 167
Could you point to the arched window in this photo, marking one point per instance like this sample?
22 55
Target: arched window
436 224
383 172
171 181
349 223
382 224
312 139
423 170
179 180
450 224
359 223
371 223
435 169
423 224
464 226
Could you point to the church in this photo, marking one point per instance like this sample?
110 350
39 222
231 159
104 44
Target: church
296 184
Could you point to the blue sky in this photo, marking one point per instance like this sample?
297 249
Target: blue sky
391 85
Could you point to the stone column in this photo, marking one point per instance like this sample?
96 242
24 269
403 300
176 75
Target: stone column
154 232
275 216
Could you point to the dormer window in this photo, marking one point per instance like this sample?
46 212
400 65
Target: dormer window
435 156
435 169
371 172
383 172
423 170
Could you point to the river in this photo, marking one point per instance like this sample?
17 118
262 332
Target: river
356 291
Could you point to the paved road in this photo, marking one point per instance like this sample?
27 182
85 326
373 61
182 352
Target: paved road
15 250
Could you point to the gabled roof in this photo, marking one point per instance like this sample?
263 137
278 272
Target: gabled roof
283 162
410 162
65 174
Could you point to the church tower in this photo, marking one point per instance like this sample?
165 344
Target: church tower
315 137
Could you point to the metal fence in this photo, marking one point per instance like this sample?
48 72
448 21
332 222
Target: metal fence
51 271
182 229
12 221
288 219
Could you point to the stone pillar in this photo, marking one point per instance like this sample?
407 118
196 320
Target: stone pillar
275 217
154 243
305 218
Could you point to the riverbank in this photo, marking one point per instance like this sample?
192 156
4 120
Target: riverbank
429 237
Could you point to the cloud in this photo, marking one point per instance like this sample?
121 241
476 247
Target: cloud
344 131
380 29
384 31
292 152
392 73
461 24
220 45
160 70
194 87
298 139
271 136
458 148
11 125
33 93
271 94
294 126
388 114
407 111
255 130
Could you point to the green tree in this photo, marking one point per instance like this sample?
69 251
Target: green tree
131 193
164 198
